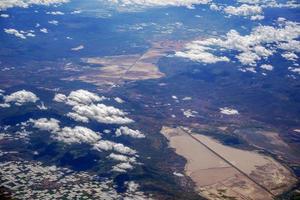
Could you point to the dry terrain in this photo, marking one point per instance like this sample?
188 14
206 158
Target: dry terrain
114 70
221 172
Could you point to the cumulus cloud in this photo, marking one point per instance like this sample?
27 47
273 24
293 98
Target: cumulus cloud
290 56
105 145
55 13
42 106
122 158
4 105
158 3
78 134
119 100
4 15
53 22
44 124
26 3
267 67
78 97
85 108
228 111
69 135
262 42
294 69
14 32
60 98
77 117
243 10
122 167
102 113
44 30
21 97
124 130
196 52
77 48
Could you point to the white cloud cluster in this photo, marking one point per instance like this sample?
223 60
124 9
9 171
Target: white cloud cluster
122 167
290 56
228 111
53 22
78 134
44 30
105 145
44 124
119 100
267 67
122 158
85 108
77 48
55 13
4 15
124 130
272 3
158 3
244 10
68 135
261 43
100 113
78 97
20 97
20 34
5 4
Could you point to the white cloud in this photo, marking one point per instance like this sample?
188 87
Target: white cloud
78 48
132 186
195 52
267 67
78 134
124 130
189 113
4 105
294 69
215 7
60 98
105 145
290 56
228 111
54 22
243 10
51 125
85 109
44 30
78 97
122 167
122 158
102 113
76 12
78 117
14 32
5 4
55 13
42 106
20 34
21 97
158 3
119 100
257 17
262 42
4 15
